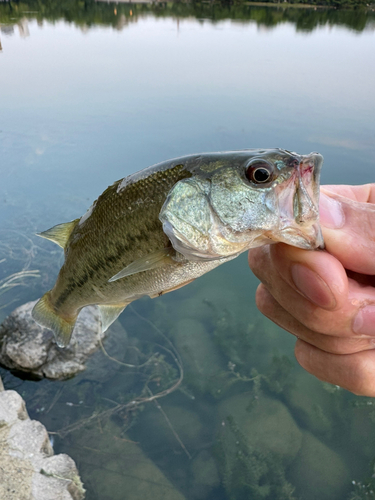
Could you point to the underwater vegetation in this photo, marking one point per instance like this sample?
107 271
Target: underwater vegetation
364 490
251 473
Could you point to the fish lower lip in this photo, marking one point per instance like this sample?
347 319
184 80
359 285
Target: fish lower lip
308 237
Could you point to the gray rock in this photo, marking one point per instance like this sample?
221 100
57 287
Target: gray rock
12 408
1 385
28 469
57 474
28 439
28 347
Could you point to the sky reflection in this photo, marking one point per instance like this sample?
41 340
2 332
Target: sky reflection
109 102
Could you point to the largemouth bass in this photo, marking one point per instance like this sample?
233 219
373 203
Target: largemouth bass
159 229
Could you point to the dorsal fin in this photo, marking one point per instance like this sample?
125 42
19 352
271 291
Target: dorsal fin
60 234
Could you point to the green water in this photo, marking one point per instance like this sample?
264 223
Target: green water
91 92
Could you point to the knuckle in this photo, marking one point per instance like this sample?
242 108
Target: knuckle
264 300
326 322
259 262
347 346
362 382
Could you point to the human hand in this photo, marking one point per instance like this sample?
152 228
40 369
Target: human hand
327 298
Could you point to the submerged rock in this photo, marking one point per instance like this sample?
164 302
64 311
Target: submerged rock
200 356
205 475
361 430
156 429
318 473
310 403
208 303
27 347
265 423
28 468
116 467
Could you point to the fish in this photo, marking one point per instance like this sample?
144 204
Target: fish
162 227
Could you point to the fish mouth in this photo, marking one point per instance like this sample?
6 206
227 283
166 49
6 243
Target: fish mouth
299 214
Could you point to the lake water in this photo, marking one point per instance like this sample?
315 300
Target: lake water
90 93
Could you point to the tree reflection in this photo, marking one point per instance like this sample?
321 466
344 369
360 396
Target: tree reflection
118 15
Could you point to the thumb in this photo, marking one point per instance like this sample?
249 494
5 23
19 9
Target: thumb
349 231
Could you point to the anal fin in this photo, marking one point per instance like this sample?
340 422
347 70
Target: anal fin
109 314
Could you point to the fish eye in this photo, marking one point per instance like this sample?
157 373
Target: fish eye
259 172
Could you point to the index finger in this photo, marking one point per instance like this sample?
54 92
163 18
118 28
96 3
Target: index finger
364 193
348 226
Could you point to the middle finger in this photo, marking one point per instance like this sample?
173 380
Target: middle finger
312 287
328 343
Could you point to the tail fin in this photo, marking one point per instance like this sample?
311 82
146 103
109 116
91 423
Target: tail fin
44 314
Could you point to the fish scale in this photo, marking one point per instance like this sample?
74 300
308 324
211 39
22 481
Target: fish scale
114 235
162 227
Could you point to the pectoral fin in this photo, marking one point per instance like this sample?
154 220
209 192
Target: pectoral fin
109 314
149 261
59 234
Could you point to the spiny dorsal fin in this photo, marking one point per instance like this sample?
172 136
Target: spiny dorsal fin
45 315
147 262
60 234
109 314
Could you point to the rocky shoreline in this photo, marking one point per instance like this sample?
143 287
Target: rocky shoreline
29 470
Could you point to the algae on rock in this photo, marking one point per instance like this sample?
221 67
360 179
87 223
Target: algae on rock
257 440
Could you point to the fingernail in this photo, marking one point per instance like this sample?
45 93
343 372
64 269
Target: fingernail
364 321
331 212
312 286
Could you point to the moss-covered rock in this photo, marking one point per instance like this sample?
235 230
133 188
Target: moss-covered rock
266 424
257 439
318 473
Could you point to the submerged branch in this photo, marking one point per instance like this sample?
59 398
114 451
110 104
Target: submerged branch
15 279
